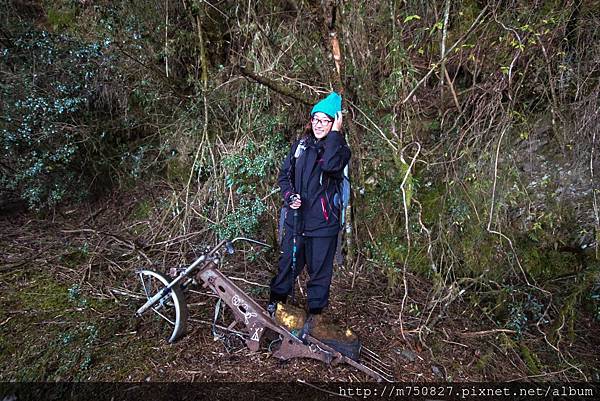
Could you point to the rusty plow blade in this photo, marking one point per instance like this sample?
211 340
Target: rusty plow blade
368 362
372 364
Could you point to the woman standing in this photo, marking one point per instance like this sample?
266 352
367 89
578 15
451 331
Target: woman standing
309 180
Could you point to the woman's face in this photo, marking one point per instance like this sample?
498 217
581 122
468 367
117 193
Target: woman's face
321 124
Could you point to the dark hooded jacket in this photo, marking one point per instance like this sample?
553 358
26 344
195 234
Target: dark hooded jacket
316 175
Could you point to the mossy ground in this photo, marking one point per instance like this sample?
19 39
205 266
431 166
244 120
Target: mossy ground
48 335
55 332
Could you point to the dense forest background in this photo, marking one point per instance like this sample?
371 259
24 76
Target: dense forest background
135 133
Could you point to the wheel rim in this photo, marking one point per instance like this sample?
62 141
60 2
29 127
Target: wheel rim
172 308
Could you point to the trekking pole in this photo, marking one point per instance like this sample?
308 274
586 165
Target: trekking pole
294 252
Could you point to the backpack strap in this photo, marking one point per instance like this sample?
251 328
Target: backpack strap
300 148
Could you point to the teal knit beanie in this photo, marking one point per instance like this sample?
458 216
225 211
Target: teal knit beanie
330 105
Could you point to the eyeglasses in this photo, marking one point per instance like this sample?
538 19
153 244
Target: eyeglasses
316 121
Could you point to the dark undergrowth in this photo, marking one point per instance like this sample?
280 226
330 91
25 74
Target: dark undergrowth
66 315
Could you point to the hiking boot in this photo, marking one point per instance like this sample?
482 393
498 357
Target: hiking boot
274 300
343 341
291 317
271 308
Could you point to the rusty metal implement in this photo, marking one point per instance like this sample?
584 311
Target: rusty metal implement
251 321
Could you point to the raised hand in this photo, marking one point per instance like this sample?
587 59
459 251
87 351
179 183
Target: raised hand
337 122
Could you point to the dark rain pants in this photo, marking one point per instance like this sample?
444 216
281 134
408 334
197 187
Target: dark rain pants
317 254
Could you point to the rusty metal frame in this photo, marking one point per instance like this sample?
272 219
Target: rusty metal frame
255 321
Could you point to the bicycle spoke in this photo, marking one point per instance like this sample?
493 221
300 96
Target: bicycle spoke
163 316
144 285
170 307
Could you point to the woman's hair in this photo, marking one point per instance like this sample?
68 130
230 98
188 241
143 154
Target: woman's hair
307 133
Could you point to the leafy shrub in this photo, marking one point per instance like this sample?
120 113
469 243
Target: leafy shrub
594 299
246 170
253 163
69 121
524 312
47 94
244 221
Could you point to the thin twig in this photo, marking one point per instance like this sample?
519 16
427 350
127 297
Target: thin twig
404 202
485 332
248 282
594 190
433 68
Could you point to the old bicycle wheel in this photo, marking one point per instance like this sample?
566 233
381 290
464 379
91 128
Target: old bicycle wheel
171 308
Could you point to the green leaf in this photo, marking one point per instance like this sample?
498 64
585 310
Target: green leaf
411 17
438 25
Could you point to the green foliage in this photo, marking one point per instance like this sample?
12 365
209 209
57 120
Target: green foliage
44 151
401 75
411 17
477 250
246 171
75 256
388 252
75 296
530 358
383 189
69 125
61 18
545 263
594 299
65 354
253 163
484 361
243 221
115 89
142 210
521 314
80 102
432 199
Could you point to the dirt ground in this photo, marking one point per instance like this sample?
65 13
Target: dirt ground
64 316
